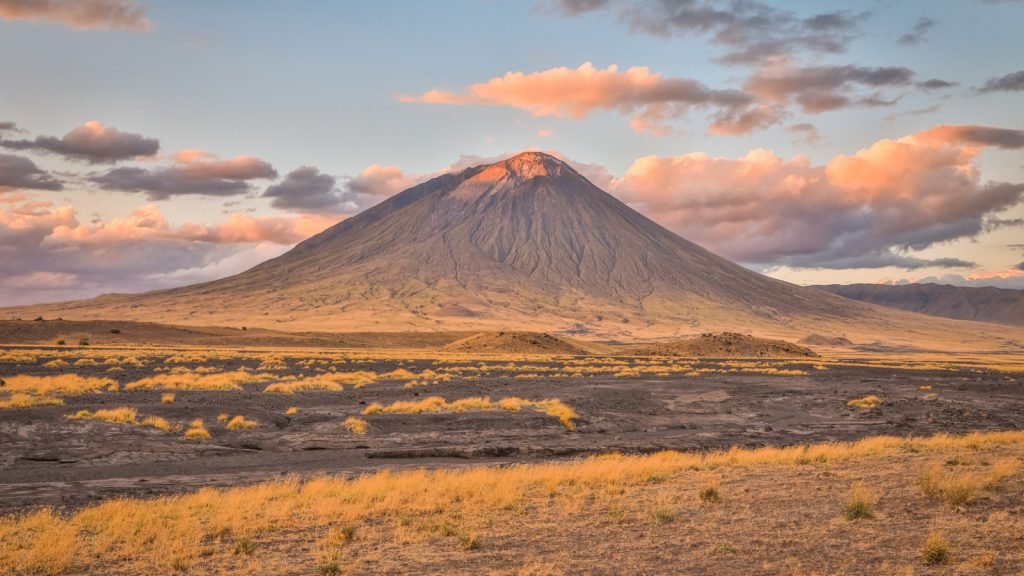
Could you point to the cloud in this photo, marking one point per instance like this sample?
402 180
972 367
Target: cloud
92 142
1019 267
47 253
918 32
872 208
1013 82
194 172
804 132
1012 278
576 93
748 31
8 127
305 189
80 14
17 172
818 89
936 84
1005 138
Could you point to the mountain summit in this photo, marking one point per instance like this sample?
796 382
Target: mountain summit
524 243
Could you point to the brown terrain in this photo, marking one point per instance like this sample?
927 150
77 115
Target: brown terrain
985 304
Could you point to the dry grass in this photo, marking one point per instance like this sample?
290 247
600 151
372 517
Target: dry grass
867 403
324 382
860 503
122 415
551 407
240 423
961 489
197 431
160 424
627 510
194 380
22 400
167 398
291 411
63 385
356 425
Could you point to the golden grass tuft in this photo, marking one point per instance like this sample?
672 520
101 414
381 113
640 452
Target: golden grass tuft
122 415
22 400
62 384
160 424
551 407
356 425
167 398
194 380
323 382
859 503
240 423
56 363
935 550
291 411
197 431
867 402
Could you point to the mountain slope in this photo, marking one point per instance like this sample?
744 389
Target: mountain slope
986 304
522 244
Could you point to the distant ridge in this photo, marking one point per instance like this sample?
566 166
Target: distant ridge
982 304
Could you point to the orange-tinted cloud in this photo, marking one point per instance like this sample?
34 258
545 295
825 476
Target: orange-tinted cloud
47 253
576 93
867 209
82 14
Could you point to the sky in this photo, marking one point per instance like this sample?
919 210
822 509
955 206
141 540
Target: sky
147 144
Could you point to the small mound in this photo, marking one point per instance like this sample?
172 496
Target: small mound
725 345
514 343
822 340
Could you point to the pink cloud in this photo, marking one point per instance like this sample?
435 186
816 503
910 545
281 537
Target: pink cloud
576 93
82 14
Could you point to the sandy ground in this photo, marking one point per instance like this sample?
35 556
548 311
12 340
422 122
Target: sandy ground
46 459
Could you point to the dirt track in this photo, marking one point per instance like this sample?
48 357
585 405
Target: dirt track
48 460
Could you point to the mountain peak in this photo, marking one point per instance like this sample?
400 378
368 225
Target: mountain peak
523 166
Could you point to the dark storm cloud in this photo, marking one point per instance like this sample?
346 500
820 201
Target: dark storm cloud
821 88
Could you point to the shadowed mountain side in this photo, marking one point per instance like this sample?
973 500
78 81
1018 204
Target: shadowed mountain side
985 304
526 244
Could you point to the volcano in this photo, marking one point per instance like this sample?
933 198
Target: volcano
526 243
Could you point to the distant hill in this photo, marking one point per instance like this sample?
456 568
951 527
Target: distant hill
724 345
1000 305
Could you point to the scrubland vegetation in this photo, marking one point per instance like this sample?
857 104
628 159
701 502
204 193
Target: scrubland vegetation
550 406
821 504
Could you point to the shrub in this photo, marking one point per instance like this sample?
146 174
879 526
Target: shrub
61 343
662 515
356 425
245 546
866 403
935 550
709 494
197 431
115 331
860 503
240 423
83 342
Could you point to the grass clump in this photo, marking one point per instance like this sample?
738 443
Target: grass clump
197 431
867 403
291 411
122 415
935 550
167 398
356 425
859 504
240 423
245 546
160 424
194 380
22 400
435 404
709 494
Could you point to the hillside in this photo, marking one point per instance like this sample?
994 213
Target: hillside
985 304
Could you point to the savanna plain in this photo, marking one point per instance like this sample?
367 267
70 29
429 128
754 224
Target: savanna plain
126 452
